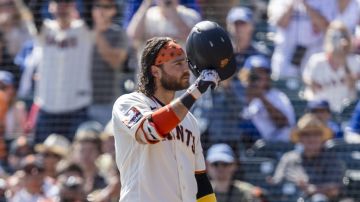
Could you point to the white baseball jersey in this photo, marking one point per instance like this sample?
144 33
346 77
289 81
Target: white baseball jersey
164 171
65 67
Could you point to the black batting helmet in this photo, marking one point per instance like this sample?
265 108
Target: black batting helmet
208 46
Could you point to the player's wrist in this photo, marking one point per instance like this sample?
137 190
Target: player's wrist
187 100
191 95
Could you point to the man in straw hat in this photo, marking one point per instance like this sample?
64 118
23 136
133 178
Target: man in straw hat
53 149
316 172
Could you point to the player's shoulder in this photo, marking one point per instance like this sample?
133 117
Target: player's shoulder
131 98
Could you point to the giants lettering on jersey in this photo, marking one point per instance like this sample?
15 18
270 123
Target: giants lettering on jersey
184 135
61 43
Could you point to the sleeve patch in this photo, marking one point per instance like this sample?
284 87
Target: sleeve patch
132 116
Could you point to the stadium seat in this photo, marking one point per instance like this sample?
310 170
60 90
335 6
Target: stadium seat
352 184
349 153
283 192
273 150
255 170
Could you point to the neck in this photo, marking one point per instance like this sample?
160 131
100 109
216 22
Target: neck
222 186
165 96
311 153
64 23
34 189
337 60
242 45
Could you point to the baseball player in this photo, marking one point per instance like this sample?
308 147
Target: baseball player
157 139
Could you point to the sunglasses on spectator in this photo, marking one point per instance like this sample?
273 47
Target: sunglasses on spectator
104 6
222 164
32 170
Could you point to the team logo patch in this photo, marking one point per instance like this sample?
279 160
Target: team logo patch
132 116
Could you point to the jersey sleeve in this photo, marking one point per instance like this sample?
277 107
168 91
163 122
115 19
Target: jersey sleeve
128 115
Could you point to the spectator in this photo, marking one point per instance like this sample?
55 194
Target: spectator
216 10
300 25
334 71
111 45
54 148
65 168
6 63
348 12
35 186
13 29
107 166
5 80
222 165
269 109
14 117
86 149
63 87
71 189
310 169
240 26
321 110
352 130
166 18
219 116
131 6
18 149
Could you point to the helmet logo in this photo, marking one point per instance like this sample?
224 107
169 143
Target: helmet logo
224 62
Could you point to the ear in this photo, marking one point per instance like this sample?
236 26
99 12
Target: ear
155 71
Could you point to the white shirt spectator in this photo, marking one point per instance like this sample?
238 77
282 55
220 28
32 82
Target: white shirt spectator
300 31
64 71
333 84
49 191
257 112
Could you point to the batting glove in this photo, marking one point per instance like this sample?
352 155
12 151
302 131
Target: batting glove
208 78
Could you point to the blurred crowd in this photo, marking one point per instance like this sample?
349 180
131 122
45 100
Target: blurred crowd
285 127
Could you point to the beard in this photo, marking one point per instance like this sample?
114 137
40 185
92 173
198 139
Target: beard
170 82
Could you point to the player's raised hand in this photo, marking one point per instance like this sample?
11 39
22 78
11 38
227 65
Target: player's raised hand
207 78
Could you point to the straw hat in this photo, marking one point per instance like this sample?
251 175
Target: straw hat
310 122
55 143
108 131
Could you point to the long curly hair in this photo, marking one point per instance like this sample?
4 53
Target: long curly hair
146 79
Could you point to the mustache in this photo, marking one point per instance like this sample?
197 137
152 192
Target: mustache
186 74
